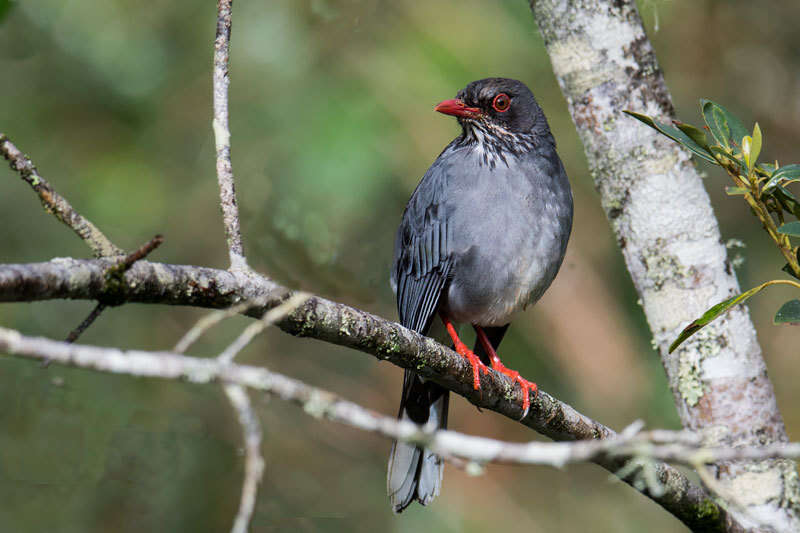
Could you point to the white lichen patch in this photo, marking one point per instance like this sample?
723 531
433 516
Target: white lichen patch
670 308
690 386
661 163
756 488
707 343
699 253
728 367
576 62
662 267
612 37
694 361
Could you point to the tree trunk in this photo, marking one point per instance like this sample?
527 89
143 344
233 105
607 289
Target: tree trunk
663 221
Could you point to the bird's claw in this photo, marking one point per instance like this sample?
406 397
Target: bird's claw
474 360
525 385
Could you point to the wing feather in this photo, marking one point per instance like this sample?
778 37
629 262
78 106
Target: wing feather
419 287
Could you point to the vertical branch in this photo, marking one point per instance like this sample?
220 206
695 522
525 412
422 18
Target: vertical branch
662 217
253 464
222 137
251 429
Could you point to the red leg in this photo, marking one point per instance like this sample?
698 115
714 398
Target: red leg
462 350
527 386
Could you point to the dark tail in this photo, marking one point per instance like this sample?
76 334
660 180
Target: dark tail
416 473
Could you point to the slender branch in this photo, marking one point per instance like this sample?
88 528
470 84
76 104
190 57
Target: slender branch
141 252
88 321
254 463
56 204
337 323
209 321
222 137
270 317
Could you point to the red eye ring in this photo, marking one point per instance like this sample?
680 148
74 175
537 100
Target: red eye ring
501 103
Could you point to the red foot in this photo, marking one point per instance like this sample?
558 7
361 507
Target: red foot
525 385
463 351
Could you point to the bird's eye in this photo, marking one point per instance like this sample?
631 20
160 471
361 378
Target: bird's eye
501 102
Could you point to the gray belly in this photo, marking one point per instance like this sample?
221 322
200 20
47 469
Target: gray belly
512 251
487 289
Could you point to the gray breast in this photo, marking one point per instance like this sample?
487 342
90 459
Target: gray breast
511 224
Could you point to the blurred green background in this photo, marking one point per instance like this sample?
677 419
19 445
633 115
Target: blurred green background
332 123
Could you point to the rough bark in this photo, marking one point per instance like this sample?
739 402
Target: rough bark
663 221
147 282
55 203
222 136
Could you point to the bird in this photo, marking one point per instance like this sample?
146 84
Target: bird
481 238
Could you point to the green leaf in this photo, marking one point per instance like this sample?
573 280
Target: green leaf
789 312
675 134
787 200
714 312
724 126
695 134
788 269
784 173
716 150
790 228
747 144
755 148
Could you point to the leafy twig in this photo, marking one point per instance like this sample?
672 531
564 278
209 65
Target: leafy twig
762 186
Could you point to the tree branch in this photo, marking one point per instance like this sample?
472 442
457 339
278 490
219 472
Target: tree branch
119 268
322 319
680 447
56 204
254 463
222 136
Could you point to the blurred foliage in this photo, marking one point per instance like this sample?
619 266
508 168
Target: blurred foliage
763 186
332 124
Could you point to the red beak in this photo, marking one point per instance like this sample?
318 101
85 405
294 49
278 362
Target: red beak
457 108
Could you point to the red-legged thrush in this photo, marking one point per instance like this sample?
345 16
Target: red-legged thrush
482 236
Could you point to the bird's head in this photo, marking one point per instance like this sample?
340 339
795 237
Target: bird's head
496 105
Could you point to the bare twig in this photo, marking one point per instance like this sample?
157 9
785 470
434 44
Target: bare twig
75 333
254 463
209 321
270 317
56 204
222 136
115 271
142 251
